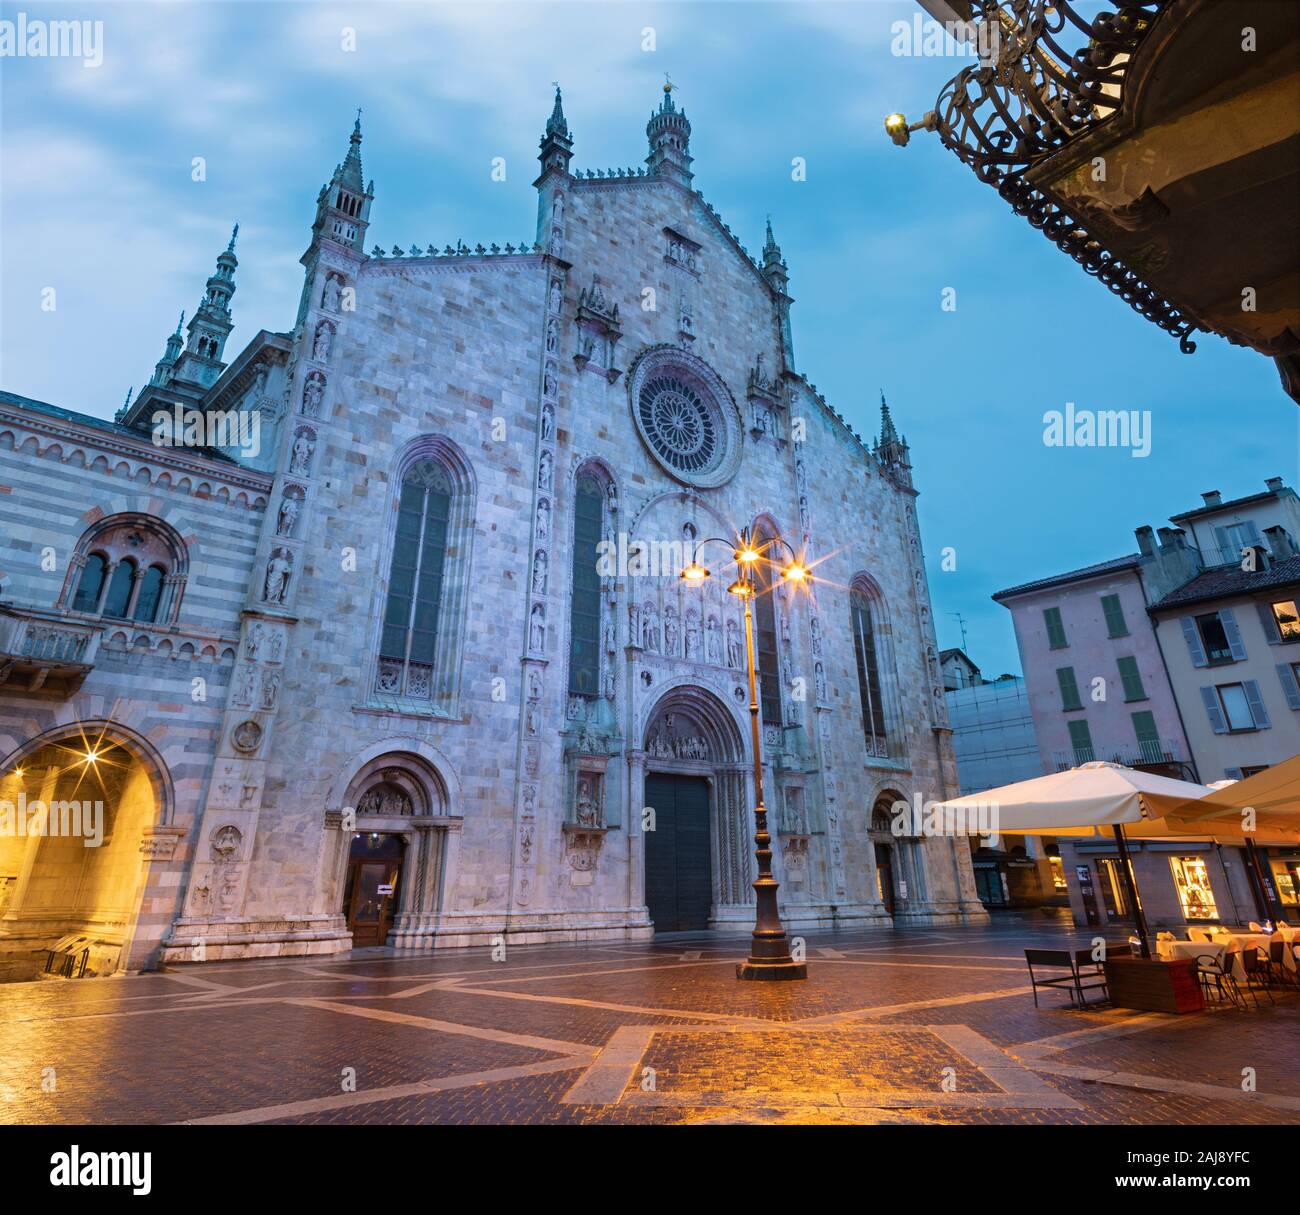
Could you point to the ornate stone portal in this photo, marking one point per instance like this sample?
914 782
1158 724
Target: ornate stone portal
692 731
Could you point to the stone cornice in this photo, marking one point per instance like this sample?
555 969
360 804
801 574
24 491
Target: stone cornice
101 442
390 267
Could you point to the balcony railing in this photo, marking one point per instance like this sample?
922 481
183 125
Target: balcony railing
36 645
1152 752
1047 75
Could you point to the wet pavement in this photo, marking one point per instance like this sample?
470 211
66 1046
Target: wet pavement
924 1025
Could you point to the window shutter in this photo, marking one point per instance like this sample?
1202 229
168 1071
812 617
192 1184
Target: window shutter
1268 622
1213 710
1193 639
1258 713
1233 633
1290 685
1069 688
1131 678
1226 551
1286 673
1115 626
1055 628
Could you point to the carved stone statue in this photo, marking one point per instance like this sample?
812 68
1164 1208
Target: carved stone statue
278 570
288 515
320 350
693 653
543 520
670 630
312 393
733 644
537 628
548 422
539 573
333 290
304 443
545 471
650 628
585 807
713 646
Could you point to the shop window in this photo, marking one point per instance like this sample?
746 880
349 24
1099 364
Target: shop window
1192 882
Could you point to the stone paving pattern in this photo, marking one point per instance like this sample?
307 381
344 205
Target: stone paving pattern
565 1034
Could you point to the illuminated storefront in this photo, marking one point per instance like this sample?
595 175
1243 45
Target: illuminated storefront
1192 883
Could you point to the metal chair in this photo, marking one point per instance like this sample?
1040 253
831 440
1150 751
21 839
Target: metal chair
1255 963
1215 971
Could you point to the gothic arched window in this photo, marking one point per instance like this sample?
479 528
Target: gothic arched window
766 643
585 606
427 579
90 584
873 656
410 633
128 567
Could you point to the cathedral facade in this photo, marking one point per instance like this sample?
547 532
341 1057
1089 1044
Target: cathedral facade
374 633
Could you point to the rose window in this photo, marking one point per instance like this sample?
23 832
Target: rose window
681 426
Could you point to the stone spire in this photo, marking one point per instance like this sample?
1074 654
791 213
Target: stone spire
349 172
670 138
778 278
200 364
162 369
891 450
774 268
557 144
343 205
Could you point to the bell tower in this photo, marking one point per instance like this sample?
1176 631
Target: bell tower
670 139
343 205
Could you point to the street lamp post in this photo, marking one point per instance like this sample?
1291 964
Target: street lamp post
769 953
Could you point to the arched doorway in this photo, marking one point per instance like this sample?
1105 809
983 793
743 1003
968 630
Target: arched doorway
696 862
373 886
885 854
394 853
78 816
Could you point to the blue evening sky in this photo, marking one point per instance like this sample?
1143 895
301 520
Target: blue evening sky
97 201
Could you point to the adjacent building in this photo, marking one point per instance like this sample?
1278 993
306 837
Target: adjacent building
993 739
1181 659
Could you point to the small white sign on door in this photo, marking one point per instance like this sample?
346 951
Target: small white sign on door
902 889
385 889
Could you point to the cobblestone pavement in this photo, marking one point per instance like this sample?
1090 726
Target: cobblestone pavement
925 1025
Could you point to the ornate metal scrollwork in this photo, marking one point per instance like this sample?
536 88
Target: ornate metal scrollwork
1032 92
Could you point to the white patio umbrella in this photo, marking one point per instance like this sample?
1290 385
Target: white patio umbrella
1094 799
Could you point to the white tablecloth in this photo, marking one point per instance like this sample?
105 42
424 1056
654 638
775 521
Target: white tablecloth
1238 940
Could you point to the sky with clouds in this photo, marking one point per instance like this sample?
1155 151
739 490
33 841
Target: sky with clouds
97 201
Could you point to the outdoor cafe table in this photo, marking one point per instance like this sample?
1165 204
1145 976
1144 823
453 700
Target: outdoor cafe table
1239 941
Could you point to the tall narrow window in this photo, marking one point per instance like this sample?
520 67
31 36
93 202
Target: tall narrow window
1081 741
1055 628
92 582
415 582
1131 678
1069 688
1148 737
146 602
1115 626
119 590
869 690
765 645
584 610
